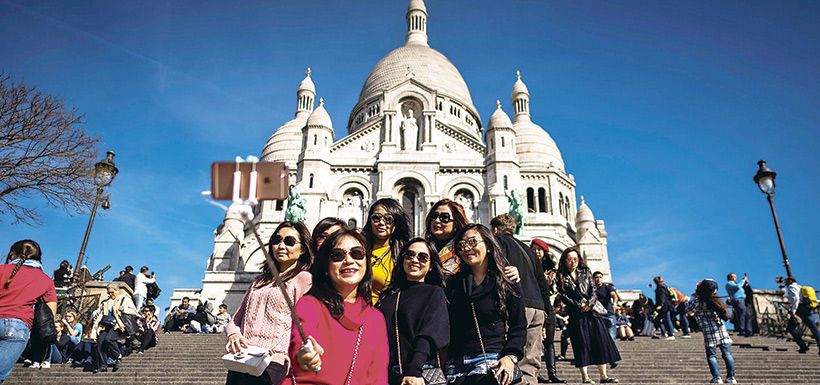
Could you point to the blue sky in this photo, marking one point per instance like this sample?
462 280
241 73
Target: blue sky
661 111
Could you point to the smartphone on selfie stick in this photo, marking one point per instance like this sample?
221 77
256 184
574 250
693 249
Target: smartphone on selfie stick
251 183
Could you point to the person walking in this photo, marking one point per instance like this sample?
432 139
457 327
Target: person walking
141 287
607 296
415 308
589 335
535 289
800 311
541 251
349 336
263 317
22 284
387 232
665 305
710 314
737 298
488 324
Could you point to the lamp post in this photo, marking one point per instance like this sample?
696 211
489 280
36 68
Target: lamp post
104 174
765 182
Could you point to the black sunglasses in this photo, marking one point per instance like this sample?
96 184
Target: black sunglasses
376 218
421 257
338 255
290 240
469 243
442 217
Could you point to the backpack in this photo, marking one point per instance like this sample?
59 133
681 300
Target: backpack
678 297
808 296
673 295
153 291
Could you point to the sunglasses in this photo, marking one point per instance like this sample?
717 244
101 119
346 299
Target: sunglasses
444 218
467 244
338 255
290 240
376 218
421 257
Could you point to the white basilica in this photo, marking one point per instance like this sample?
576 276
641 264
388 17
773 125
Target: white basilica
416 136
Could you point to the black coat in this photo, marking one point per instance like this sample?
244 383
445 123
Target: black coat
533 283
505 336
577 292
662 297
423 326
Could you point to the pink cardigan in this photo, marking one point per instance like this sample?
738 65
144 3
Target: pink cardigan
263 317
338 338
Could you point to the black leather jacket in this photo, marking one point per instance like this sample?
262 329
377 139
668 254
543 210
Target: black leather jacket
577 292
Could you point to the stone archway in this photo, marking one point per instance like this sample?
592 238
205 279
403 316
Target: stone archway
410 194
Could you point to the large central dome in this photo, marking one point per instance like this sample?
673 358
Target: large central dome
424 64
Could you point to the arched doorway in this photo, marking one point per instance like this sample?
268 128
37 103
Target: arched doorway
410 194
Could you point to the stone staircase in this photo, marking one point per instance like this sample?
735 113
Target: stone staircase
195 359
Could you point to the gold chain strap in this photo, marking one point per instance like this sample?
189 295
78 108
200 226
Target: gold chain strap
480 340
398 344
355 353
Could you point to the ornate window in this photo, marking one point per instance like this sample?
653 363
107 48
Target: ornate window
542 200
531 200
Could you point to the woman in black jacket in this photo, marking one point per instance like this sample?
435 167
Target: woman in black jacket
488 326
591 342
415 308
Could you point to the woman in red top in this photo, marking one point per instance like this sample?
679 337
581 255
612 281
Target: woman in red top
22 283
348 334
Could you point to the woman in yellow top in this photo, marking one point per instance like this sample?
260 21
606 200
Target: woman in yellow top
387 230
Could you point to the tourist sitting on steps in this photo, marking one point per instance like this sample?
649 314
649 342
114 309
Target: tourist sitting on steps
180 316
109 323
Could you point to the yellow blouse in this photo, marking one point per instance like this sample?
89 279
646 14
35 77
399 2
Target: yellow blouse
382 270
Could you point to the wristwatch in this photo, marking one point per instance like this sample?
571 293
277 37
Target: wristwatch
513 358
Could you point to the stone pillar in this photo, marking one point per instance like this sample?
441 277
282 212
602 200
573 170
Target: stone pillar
389 132
427 137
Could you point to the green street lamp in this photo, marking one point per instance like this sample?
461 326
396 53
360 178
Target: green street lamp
104 173
765 182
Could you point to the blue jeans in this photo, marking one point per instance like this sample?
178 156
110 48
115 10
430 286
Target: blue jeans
14 335
667 327
684 321
711 356
55 356
613 330
139 300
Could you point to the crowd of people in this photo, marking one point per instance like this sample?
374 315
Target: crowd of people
464 304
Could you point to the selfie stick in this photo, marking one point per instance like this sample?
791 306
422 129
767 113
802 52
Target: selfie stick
245 208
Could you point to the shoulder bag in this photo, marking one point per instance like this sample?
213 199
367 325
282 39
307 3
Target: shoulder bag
128 321
44 322
431 376
516 374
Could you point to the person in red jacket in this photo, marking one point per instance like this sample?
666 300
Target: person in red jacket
348 334
22 283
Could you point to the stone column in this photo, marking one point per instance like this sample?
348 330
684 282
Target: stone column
427 137
391 141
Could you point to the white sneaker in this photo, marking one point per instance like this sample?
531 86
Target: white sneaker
686 336
731 380
716 380
45 365
35 365
670 338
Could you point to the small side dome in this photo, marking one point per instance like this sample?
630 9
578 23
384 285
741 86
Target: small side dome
519 87
499 118
584 214
307 83
320 117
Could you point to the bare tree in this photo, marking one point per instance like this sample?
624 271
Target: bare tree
44 154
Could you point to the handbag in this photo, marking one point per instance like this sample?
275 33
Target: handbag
252 360
516 374
431 376
44 322
108 320
598 309
129 322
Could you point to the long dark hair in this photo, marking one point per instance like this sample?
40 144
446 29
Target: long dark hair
434 277
401 225
320 228
497 261
707 293
459 219
22 250
302 264
563 271
323 288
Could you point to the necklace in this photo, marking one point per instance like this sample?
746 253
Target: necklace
378 260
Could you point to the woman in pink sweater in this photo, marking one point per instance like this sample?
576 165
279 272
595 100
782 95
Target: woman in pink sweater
348 334
263 318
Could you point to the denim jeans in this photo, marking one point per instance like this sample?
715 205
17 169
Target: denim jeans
667 327
139 300
613 330
711 356
14 335
55 357
684 321
793 328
